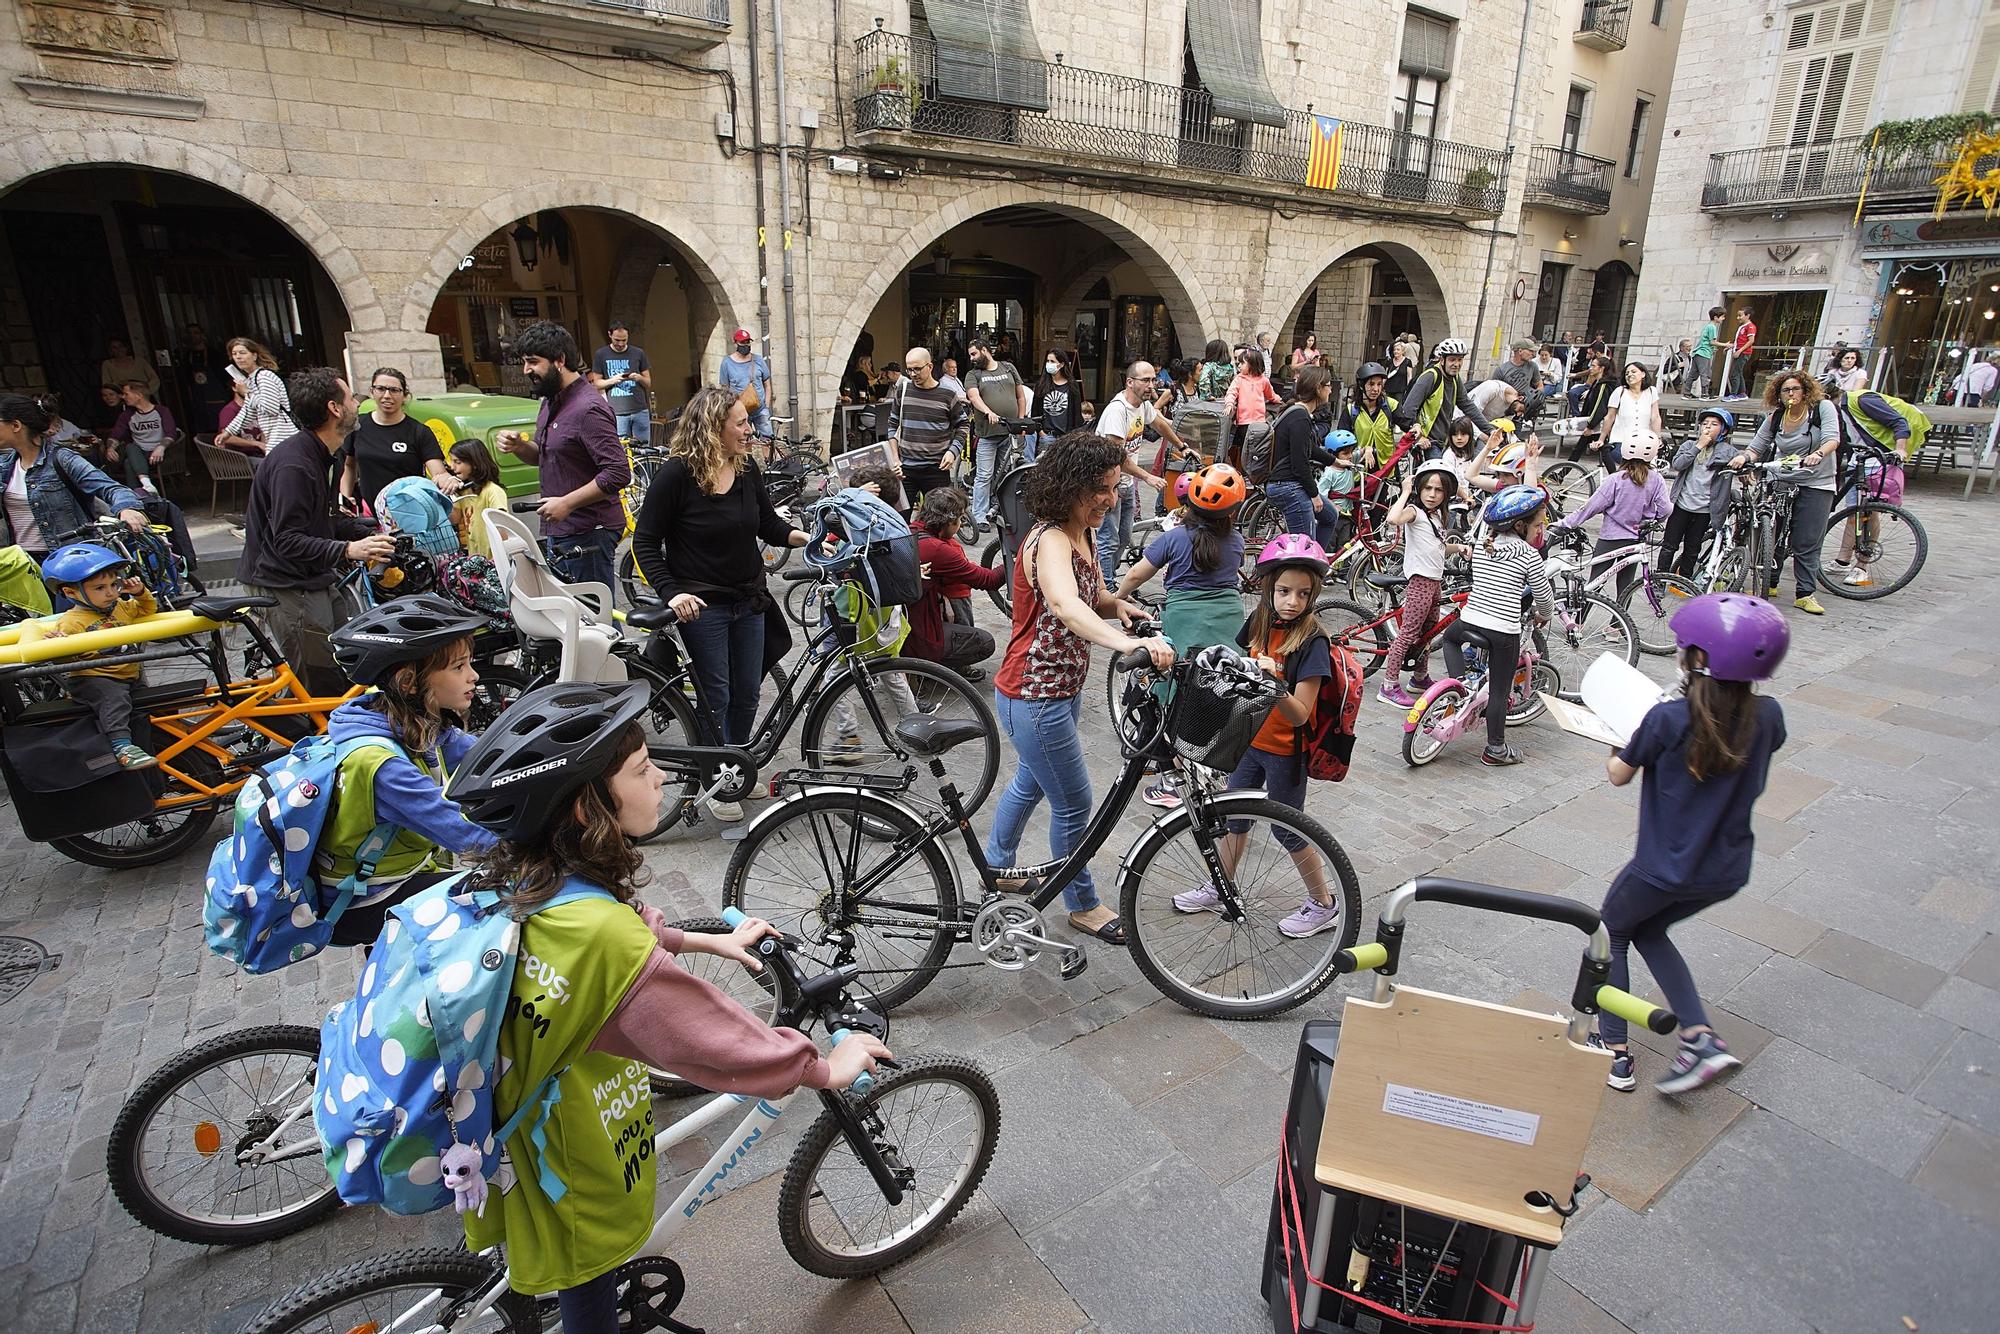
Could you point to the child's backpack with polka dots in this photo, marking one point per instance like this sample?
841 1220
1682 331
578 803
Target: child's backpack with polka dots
265 906
407 1068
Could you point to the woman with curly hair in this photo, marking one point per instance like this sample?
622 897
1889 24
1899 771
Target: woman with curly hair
1800 422
696 542
1061 608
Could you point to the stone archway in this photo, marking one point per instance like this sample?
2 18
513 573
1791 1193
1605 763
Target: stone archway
1426 293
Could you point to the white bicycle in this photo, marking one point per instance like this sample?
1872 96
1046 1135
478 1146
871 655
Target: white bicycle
886 1166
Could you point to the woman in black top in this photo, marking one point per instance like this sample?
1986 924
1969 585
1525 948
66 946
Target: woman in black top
388 444
1598 384
1058 399
1295 447
696 540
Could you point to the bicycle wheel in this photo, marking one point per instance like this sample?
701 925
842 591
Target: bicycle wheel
1763 567
1259 521
1235 961
177 1148
755 992
1889 543
632 581
431 1289
1427 740
1544 680
1579 635
156 836
1570 484
498 687
1362 564
902 687
799 865
935 1122
1652 605
802 602
1356 628
995 553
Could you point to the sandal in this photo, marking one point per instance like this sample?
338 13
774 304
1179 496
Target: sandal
1111 932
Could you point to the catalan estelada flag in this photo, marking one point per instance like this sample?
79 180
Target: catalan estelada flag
1323 161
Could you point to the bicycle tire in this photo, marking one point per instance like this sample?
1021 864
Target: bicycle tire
802 601
972 766
1658 598
126 1150
1002 593
755 992
1355 628
1362 564
1763 569
671 725
1420 746
456 1274
1156 930
1569 482
1882 512
632 580
498 687
796 863
804 1191
1260 522
164 834
1573 660
1544 679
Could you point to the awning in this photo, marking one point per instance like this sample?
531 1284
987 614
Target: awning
987 52
1229 55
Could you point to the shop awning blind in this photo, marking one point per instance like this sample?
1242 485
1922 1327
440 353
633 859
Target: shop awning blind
987 52
1227 37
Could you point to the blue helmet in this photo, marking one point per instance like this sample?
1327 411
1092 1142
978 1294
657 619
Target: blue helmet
1722 415
1339 440
78 561
1515 502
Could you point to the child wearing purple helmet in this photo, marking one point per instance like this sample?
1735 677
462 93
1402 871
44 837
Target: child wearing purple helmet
1705 757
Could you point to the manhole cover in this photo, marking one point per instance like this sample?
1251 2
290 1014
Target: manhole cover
21 962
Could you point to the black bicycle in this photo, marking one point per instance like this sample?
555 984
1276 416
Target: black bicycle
850 866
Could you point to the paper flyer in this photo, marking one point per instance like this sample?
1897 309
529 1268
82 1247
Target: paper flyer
1616 696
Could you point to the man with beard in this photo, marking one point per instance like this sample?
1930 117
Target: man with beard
294 538
583 466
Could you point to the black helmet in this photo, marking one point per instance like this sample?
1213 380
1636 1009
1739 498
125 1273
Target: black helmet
383 638
1374 370
535 756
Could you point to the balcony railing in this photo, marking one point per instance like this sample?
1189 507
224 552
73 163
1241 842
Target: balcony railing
1604 24
1572 181
1787 176
665 26
1147 126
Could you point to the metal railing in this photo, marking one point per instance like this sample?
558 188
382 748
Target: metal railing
1604 24
1564 178
1146 126
714 11
1812 173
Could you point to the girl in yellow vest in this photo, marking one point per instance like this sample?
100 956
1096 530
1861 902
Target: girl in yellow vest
417 654
564 780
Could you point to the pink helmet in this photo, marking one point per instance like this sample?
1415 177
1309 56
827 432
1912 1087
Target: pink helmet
1292 549
1181 484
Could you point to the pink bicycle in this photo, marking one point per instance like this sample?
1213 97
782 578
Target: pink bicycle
1450 708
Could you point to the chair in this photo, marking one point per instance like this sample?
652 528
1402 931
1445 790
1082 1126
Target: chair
576 616
173 461
224 465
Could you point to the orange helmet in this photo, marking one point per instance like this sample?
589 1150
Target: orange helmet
1217 488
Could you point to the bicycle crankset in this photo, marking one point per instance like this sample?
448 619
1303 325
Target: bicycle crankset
649 1289
1010 935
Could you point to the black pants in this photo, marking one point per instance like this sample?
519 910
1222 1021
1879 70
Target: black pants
965 646
361 923
921 477
1581 446
1503 659
1686 529
592 1307
1600 556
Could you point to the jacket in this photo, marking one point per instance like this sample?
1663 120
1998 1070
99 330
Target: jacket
62 484
404 795
1429 404
945 565
293 536
1718 489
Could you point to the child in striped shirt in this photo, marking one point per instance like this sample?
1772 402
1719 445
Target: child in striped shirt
1503 565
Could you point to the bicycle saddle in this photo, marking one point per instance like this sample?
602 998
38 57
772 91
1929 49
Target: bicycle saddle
653 616
1386 579
228 609
929 736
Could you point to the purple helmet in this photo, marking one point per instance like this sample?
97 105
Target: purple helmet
1288 549
1743 637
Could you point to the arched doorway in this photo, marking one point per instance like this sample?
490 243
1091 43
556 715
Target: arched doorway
169 266
1611 294
1360 301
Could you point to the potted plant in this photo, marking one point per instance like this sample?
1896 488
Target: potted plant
892 100
1472 190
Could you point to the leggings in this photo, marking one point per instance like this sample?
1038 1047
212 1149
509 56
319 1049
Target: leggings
1601 558
590 1307
1685 530
1638 912
1420 602
1503 657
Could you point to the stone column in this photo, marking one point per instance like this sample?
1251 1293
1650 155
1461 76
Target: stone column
418 355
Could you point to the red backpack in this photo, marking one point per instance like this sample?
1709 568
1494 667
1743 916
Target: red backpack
1326 740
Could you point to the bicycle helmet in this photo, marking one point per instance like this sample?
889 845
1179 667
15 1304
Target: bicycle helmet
1373 370
77 562
1451 347
1437 468
1514 502
1722 415
381 639
1339 440
1217 488
1640 449
1514 459
1289 550
1181 484
1744 638
517 777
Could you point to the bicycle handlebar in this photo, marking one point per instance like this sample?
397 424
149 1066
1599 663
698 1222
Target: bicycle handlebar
735 917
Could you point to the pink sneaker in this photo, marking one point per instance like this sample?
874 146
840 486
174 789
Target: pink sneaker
1392 692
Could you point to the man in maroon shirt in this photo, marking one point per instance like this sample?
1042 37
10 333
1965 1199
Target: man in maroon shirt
934 633
583 466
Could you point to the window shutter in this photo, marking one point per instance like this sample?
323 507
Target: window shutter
1881 14
1854 113
1785 103
1830 97
1800 36
1978 94
1850 20
1426 45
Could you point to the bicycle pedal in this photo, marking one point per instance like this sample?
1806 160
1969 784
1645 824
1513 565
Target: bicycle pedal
1074 962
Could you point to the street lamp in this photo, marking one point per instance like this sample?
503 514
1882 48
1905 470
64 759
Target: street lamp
526 243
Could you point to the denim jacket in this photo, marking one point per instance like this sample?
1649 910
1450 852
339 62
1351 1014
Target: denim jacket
58 483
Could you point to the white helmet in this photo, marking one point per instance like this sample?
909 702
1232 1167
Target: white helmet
1452 347
1514 459
1640 449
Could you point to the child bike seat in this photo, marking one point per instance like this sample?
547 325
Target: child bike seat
576 616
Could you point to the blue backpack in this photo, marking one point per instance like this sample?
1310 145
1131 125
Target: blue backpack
265 907
417 507
407 1068
863 537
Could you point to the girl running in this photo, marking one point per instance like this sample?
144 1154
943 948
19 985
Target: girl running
1427 541
1631 498
1286 641
1705 758
1501 565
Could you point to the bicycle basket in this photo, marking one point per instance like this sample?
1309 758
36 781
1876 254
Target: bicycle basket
1211 729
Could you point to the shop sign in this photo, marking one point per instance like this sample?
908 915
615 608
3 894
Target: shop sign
1809 260
1976 231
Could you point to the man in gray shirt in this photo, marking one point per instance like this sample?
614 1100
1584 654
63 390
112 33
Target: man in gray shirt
997 396
926 424
1520 370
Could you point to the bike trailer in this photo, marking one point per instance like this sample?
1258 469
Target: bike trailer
417 507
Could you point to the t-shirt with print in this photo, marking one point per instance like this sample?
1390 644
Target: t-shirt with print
148 428
1121 421
628 396
1173 552
385 453
1696 836
1277 736
999 388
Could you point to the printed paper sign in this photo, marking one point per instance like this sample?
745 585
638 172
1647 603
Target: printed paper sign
1481 1118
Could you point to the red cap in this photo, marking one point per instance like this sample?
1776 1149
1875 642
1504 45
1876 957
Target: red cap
740 336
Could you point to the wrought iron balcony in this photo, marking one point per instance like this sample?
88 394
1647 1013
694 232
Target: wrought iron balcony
664 26
1572 181
1127 126
1791 176
1604 24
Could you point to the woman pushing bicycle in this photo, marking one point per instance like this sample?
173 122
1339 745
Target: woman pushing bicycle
1803 423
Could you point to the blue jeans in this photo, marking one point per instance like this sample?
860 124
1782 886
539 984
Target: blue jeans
1050 753
984 454
1638 912
1115 533
581 558
1032 442
1295 503
725 647
1283 778
636 426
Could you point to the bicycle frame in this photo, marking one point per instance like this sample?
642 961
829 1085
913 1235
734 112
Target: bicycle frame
1473 711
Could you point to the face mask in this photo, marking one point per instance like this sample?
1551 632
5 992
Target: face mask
743 348
1052 367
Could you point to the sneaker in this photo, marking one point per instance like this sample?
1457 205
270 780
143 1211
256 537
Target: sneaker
1700 1062
1392 692
1500 758
1206 899
130 756
1843 562
1858 578
1162 794
1419 684
729 812
846 749
1620 1075
1311 918
1808 604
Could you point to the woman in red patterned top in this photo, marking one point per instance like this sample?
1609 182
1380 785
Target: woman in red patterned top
1061 608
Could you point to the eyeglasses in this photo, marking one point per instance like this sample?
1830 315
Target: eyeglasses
379 389
1793 389
916 370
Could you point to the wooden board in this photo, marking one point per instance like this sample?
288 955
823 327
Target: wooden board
1491 1103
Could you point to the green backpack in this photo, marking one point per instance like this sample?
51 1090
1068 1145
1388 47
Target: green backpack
1920 425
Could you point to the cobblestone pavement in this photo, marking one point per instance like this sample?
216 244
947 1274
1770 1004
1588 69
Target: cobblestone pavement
1849 1176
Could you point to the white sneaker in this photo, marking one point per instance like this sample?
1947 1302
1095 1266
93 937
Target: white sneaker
1859 578
729 812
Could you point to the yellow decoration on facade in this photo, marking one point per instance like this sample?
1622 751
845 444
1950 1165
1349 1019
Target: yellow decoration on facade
1961 182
